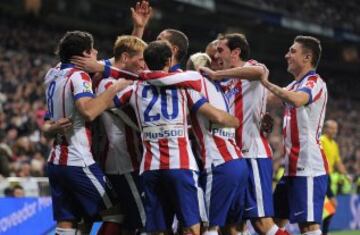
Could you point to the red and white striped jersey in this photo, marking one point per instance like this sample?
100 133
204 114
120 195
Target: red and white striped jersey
302 129
247 101
216 143
161 113
63 87
123 146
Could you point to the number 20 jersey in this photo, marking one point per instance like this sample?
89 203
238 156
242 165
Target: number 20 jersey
161 114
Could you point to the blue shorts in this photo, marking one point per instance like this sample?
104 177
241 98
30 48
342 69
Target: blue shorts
169 193
79 192
258 199
129 190
224 188
300 198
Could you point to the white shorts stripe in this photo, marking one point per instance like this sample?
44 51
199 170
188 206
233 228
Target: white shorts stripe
98 187
137 197
200 195
258 189
209 181
310 198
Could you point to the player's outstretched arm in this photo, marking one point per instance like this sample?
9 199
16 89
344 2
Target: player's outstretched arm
296 98
91 65
88 64
249 73
219 116
140 16
90 108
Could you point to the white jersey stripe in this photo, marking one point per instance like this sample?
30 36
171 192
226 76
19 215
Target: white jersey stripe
98 186
258 188
137 197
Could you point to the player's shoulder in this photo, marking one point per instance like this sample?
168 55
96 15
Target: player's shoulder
78 74
51 74
253 62
104 84
313 80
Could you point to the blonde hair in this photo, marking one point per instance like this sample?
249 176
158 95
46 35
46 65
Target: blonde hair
129 44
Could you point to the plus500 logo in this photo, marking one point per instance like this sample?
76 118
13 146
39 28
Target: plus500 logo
166 133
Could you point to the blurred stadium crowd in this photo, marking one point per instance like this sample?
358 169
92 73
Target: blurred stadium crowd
332 14
25 57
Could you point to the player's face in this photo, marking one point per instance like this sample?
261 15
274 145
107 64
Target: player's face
332 130
295 58
92 54
135 63
163 36
211 51
223 55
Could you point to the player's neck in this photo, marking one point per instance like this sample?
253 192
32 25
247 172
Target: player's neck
239 63
119 65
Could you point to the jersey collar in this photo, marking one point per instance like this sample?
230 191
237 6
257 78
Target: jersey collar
175 68
311 72
66 66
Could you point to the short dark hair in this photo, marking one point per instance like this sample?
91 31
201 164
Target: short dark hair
313 45
180 40
238 40
156 54
74 43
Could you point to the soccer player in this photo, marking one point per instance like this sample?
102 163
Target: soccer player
179 46
332 153
123 153
78 187
224 178
168 162
240 81
299 196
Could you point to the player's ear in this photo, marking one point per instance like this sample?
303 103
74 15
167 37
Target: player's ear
124 57
308 57
236 52
87 53
168 62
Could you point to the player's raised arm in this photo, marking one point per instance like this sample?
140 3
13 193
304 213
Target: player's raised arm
296 98
140 16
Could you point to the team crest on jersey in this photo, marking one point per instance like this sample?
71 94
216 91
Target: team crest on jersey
87 86
231 92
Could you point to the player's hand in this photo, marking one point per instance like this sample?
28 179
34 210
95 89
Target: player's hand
120 84
207 72
265 76
60 126
141 14
88 64
267 123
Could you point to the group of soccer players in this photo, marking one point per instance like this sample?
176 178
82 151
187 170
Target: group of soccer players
184 149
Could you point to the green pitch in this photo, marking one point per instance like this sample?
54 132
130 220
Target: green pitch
352 232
